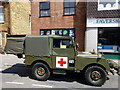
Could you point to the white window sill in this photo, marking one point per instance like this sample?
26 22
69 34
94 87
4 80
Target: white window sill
1 22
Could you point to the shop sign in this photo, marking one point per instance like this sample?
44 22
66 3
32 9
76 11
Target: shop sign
103 22
107 21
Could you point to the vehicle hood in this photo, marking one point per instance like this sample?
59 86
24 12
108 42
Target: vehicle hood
88 55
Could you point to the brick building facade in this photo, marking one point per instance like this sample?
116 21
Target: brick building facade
14 19
20 23
58 21
4 22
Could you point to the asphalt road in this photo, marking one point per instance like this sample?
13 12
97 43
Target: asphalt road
15 75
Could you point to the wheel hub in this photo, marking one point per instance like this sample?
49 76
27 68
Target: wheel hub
40 71
95 75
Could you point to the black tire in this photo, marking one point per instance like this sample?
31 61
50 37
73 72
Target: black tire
40 71
118 71
95 75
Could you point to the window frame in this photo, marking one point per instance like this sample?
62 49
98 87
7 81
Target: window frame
2 14
61 43
44 9
69 8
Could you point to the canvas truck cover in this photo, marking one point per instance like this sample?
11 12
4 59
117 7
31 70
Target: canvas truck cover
15 44
28 45
37 45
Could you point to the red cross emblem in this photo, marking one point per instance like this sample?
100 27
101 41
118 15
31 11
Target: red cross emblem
61 62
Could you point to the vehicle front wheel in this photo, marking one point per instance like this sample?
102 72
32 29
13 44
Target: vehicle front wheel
95 75
40 71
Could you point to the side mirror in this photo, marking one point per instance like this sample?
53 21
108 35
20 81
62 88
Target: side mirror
77 45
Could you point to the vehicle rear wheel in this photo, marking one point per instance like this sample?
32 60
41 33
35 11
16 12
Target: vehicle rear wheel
40 71
95 75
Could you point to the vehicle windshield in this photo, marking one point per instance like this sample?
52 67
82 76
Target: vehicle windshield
62 43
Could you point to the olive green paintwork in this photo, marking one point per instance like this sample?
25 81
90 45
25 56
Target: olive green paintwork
82 62
29 60
71 53
54 62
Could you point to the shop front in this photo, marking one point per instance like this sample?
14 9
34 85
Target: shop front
61 32
103 36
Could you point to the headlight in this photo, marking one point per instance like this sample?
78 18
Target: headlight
99 55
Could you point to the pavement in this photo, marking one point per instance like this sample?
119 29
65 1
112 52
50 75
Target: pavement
14 74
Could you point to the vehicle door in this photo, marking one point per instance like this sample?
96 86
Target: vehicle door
63 53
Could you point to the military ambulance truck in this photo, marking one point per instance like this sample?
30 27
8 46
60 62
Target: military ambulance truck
57 55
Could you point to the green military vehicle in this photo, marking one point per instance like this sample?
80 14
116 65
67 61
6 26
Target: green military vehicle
58 55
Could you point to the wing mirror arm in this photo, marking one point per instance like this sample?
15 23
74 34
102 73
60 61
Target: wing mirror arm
76 45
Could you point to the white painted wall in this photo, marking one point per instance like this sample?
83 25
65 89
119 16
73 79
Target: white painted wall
91 39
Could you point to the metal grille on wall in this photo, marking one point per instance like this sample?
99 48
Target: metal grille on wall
108 4
92 11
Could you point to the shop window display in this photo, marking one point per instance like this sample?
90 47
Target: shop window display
109 40
61 32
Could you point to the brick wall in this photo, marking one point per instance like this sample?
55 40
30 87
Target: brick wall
19 18
58 21
4 26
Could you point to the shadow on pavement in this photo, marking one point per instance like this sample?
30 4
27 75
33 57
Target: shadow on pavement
24 71
69 77
19 69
